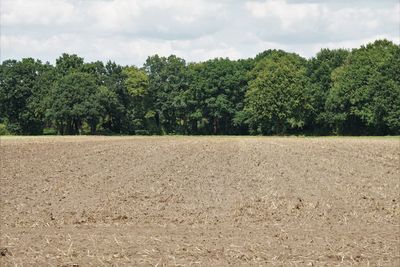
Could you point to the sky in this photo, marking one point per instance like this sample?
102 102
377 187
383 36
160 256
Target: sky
128 31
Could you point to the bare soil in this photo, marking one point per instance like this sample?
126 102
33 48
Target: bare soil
167 201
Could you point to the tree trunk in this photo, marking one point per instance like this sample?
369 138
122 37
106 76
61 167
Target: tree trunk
93 128
60 126
76 126
70 128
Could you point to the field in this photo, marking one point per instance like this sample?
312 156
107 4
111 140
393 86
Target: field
199 201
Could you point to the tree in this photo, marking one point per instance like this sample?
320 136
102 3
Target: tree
117 120
319 70
365 97
69 63
140 110
336 92
20 95
276 102
216 95
108 104
168 82
73 101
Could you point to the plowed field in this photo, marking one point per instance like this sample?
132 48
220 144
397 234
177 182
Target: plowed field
201 201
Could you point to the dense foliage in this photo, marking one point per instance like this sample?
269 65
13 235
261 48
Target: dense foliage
277 101
338 91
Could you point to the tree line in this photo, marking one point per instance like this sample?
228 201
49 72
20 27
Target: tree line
337 92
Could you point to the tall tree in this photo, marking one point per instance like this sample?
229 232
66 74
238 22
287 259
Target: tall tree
365 97
73 102
319 70
217 90
20 95
277 100
168 82
140 111
69 63
117 120
337 92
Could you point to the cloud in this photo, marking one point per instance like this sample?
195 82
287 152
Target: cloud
127 31
313 21
39 12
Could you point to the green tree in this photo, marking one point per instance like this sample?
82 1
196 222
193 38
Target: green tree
140 111
216 95
108 105
365 97
69 63
117 119
20 95
168 81
277 99
337 91
319 70
73 102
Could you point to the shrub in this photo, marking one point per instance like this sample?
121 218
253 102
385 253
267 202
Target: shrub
3 129
142 132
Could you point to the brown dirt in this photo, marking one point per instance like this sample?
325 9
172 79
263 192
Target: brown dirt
155 201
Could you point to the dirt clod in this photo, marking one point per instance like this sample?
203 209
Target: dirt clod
5 252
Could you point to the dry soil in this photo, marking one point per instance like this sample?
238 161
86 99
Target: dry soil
201 201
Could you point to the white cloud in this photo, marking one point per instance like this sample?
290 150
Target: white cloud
289 15
37 12
309 22
167 19
128 31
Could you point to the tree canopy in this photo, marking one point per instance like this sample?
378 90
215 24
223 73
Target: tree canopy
277 101
348 92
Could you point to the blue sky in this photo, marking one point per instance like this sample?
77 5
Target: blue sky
127 31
